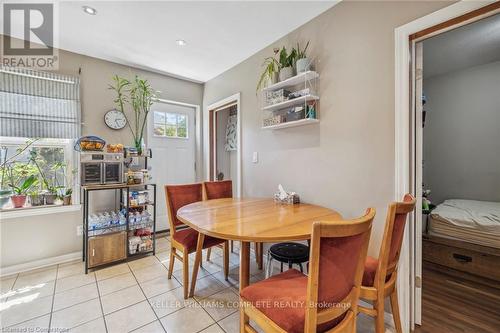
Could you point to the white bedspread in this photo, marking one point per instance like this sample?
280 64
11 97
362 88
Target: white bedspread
481 215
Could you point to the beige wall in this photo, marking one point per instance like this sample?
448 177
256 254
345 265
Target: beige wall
347 161
34 238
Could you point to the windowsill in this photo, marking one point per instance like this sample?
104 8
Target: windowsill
37 211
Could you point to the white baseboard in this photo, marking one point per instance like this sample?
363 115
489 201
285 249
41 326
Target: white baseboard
14 269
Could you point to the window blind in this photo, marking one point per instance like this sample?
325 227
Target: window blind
35 104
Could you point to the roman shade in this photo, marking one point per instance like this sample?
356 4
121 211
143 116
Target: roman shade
35 104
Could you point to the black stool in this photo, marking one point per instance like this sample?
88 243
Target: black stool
291 253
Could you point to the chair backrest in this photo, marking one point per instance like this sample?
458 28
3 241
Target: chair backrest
338 254
397 214
178 196
218 190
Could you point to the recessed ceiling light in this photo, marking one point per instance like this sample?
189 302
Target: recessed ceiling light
181 42
89 10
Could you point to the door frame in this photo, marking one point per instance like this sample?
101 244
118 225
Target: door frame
406 36
198 159
210 111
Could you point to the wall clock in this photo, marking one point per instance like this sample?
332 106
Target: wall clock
115 119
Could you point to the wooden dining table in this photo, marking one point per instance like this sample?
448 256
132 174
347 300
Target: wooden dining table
252 220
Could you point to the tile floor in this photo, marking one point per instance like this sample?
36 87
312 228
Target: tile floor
134 296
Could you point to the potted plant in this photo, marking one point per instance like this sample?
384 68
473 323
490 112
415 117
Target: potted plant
5 191
303 63
19 196
140 96
286 62
271 69
68 194
35 194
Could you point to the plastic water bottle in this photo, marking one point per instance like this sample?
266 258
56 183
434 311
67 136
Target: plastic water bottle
122 219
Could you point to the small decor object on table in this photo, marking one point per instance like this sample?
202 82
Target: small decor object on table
282 196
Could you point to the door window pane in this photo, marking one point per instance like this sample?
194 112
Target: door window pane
170 125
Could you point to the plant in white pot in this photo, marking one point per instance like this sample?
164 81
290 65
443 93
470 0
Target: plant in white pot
303 63
270 74
286 63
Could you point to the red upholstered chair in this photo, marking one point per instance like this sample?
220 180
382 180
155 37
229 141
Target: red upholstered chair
185 240
324 301
379 278
224 189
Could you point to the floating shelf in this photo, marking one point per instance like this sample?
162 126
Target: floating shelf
297 79
301 122
290 102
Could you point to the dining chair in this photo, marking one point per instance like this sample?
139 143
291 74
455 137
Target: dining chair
324 301
224 189
185 240
380 275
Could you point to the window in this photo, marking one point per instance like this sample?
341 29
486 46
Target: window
39 121
170 125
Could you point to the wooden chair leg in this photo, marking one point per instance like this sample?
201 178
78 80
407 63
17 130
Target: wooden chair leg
226 260
197 261
259 256
379 319
395 311
243 320
171 263
232 246
209 252
185 272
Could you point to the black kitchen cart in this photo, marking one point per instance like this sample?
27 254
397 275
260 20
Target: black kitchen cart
110 244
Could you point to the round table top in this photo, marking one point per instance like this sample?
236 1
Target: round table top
254 219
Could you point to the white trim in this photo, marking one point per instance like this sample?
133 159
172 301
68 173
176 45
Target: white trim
45 210
198 157
231 100
14 269
402 132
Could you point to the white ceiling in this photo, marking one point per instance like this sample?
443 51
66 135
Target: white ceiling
219 35
471 45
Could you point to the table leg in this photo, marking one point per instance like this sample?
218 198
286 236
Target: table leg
244 277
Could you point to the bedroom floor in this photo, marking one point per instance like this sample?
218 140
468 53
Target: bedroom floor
451 304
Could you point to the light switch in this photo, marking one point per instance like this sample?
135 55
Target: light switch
255 157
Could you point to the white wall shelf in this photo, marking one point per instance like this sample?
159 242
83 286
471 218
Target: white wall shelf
293 81
301 122
290 102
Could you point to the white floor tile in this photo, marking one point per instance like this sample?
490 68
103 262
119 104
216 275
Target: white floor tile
154 327
169 302
213 329
35 277
221 304
116 283
189 319
23 309
70 269
158 286
74 281
121 299
109 272
34 290
94 326
130 318
76 315
150 273
6 284
39 324
207 286
143 262
74 296
231 324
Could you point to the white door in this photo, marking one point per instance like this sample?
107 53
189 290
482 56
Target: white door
171 137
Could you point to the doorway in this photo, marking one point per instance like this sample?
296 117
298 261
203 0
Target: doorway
409 119
224 137
173 139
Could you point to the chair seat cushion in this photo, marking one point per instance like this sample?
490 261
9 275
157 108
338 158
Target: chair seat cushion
189 239
282 298
371 265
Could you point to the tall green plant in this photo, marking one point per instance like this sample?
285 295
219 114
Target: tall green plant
271 67
24 186
301 53
287 60
140 96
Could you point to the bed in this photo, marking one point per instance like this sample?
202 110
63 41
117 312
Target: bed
464 235
470 221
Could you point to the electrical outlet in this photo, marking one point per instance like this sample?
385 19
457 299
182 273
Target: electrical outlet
79 230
